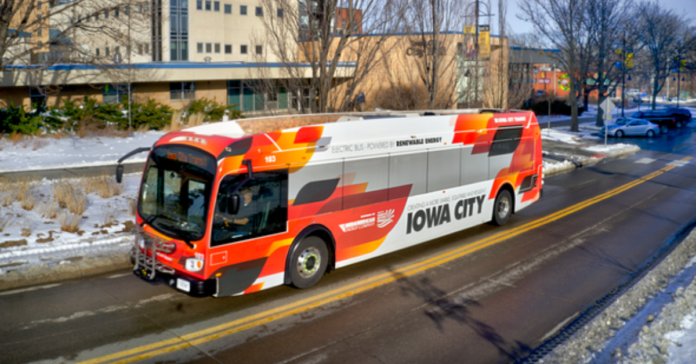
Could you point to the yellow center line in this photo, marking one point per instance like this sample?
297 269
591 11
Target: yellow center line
228 328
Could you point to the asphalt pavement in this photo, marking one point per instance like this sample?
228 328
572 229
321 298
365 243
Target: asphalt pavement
484 295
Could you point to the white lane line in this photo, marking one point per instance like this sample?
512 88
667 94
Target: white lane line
29 289
645 161
119 275
678 163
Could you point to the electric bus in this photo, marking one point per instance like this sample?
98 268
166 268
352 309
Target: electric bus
236 207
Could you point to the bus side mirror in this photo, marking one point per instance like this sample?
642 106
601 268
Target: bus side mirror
119 173
233 204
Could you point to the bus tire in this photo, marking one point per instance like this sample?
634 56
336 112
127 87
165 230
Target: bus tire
308 262
502 208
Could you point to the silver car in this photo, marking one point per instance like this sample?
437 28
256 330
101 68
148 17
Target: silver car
632 127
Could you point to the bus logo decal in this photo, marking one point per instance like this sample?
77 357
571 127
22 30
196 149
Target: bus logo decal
385 218
357 225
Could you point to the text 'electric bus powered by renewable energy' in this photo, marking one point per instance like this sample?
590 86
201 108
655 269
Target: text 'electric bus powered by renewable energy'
235 207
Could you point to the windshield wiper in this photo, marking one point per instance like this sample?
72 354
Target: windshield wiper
149 220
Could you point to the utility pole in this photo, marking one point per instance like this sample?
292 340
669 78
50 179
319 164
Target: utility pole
623 76
678 76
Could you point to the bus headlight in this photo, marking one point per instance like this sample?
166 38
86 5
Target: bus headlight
194 264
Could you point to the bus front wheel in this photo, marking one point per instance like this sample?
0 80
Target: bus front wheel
309 262
502 208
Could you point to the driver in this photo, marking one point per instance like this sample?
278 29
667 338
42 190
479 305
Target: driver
245 217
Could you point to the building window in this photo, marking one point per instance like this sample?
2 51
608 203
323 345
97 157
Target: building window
280 13
147 48
259 49
139 8
38 32
228 48
106 14
40 44
216 6
38 5
217 47
117 50
199 4
242 10
182 91
128 50
107 52
199 47
208 5
243 49
140 49
116 12
228 9
209 48
259 11
96 17
96 52
127 11
114 94
178 30
88 18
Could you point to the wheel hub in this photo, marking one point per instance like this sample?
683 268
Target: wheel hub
308 262
503 207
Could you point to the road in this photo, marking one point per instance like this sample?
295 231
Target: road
58 173
484 295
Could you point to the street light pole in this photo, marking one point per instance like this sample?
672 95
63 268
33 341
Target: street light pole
678 77
623 76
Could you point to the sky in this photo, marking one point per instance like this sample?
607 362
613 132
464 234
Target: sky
686 7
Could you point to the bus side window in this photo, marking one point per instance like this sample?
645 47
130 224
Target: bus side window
371 171
505 142
408 169
474 166
443 169
305 181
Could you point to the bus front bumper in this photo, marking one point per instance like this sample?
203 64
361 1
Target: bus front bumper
157 273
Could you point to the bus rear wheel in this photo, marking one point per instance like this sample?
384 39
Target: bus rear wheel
309 262
502 208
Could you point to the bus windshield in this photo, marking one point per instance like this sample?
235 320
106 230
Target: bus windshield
175 191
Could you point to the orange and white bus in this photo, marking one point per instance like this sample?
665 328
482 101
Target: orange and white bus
235 207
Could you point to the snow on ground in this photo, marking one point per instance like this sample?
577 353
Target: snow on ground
34 236
72 151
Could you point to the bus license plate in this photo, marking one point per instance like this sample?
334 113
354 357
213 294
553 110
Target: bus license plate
183 285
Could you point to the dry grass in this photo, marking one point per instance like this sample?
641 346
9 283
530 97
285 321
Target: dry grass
38 143
15 137
196 119
108 216
6 198
5 223
69 222
29 199
27 228
143 128
175 124
104 186
72 198
132 206
49 209
111 131
60 134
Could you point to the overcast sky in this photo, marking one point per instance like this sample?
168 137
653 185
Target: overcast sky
686 7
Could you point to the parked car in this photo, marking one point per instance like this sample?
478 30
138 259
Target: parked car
660 117
632 127
683 115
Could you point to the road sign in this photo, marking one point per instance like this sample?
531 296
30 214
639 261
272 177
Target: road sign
607 106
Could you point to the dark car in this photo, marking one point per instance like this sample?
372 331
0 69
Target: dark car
683 115
662 118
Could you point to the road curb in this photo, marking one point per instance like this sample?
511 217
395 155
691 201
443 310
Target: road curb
36 275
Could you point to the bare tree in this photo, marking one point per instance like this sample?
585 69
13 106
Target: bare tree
610 27
560 23
659 33
326 48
